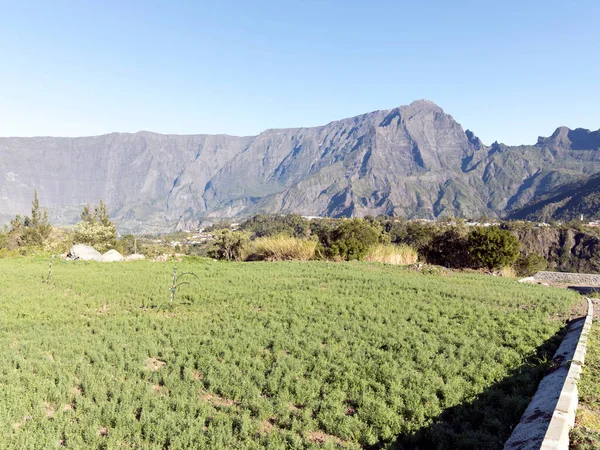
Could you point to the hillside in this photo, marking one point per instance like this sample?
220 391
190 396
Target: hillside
565 202
412 161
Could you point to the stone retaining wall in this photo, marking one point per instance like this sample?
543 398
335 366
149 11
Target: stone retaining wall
568 278
548 419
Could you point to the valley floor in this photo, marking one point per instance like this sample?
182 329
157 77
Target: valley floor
278 355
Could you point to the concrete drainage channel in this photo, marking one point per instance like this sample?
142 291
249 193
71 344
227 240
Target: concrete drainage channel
548 419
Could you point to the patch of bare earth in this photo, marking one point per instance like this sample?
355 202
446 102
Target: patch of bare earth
154 364
50 410
19 425
160 390
104 309
217 400
68 407
103 431
77 390
296 408
319 437
267 426
197 376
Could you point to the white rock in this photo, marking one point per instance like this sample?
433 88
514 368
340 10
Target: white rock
111 256
84 253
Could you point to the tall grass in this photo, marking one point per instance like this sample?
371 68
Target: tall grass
392 254
283 248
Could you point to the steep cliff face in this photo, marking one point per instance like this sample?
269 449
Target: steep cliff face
414 161
565 249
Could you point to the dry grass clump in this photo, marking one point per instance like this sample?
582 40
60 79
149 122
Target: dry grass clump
508 271
392 254
283 248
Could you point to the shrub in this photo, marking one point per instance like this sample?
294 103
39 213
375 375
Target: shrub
96 229
230 245
59 241
527 265
284 248
129 244
492 247
353 238
392 254
449 248
263 225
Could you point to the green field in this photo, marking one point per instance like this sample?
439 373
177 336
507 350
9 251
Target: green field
277 355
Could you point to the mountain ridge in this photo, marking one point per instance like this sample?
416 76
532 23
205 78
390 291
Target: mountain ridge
413 160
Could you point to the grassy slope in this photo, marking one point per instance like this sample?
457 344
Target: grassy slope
586 434
265 354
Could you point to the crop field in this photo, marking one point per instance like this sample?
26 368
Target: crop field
275 355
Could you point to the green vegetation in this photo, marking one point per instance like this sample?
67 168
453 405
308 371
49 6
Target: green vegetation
96 229
586 434
492 247
353 238
277 355
528 265
27 231
230 245
269 225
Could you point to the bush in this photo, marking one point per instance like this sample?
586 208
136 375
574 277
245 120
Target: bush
392 254
528 265
96 229
449 248
283 248
59 241
492 248
129 244
353 238
263 225
230 245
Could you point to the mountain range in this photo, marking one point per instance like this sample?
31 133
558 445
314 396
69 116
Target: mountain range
411 161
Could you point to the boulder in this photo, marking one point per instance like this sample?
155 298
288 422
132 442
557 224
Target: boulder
134 257
111 256
84 253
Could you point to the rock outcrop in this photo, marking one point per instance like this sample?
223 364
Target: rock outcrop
84 253
111 256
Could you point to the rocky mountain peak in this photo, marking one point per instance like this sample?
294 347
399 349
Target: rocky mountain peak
577 139
411 161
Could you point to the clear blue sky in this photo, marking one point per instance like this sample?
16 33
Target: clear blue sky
508 70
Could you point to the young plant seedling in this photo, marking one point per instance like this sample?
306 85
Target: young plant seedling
176 283
47 280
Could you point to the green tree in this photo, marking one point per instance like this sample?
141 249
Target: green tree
492 247
230 245
96 229
352 238
37 228
129 244
449 248
29 231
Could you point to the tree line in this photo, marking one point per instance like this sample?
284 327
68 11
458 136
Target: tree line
451 243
